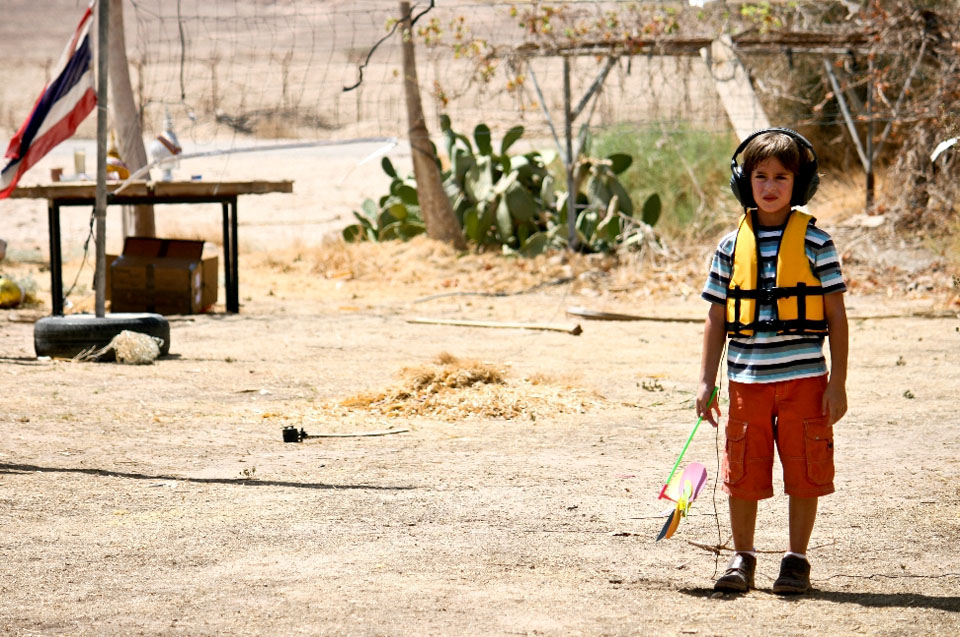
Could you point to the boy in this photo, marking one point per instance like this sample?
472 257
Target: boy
776 291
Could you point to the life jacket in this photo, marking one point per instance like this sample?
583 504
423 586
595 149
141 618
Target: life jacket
797 291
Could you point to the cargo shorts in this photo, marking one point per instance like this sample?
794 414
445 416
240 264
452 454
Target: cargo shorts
788 415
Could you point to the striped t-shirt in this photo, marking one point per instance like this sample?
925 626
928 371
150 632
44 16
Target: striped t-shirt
767 357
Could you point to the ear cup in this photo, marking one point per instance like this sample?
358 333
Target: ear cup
807 182
741 187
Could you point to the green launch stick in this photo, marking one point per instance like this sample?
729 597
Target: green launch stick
676 464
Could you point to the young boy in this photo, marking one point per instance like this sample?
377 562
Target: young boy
776 291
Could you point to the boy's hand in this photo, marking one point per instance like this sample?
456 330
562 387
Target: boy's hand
703 409
834 404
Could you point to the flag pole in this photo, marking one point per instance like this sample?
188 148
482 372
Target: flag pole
100 205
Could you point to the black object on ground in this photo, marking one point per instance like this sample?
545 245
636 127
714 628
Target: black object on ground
73 334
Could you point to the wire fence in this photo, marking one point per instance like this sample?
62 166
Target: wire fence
257 70
279 70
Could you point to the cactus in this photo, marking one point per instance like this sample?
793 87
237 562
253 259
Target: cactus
499 198
395 216
511 200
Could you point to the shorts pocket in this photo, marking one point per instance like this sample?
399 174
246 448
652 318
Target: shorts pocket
818 444
735 451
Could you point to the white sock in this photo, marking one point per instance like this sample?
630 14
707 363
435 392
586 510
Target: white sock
752 553
802 556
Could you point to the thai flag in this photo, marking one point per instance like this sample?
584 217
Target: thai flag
64 103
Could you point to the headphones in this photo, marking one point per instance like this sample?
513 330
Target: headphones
804 185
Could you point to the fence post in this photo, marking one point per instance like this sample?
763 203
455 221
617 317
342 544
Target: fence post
869 149
572 242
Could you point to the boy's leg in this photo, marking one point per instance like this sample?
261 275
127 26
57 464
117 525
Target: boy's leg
803 515
805 445
794 574
738 578
743 522
747 467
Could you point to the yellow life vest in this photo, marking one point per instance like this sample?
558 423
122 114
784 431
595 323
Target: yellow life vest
797 291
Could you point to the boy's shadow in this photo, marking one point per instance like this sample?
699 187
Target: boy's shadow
870 600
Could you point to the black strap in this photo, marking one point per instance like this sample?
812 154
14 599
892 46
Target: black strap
736 305
802 302
770 294
792 327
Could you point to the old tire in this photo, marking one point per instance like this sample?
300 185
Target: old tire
68 336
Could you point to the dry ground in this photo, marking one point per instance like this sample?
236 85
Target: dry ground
160 499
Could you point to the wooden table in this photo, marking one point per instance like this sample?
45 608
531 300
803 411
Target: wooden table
159 192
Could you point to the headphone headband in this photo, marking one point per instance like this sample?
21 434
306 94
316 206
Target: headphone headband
805 184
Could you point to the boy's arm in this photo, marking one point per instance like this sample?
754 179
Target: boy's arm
835 396
714 334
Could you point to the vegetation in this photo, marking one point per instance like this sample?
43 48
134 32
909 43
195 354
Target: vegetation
900 58
689 168
513 200
395 216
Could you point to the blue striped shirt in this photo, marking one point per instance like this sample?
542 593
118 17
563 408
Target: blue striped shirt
767 357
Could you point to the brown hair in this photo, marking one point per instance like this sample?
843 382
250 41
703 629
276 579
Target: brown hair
779 145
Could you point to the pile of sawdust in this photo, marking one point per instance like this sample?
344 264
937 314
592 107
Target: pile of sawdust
455 389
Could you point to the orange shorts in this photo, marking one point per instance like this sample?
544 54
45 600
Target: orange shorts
788 413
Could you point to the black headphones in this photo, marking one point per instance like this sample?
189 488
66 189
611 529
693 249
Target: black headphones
805 184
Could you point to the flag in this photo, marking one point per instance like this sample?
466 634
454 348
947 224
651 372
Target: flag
64 103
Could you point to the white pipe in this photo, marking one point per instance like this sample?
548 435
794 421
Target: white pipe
389 141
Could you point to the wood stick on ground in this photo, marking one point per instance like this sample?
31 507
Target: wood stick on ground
600 315
575 329
718 548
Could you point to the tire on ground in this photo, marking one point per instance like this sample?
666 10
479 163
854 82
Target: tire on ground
68 336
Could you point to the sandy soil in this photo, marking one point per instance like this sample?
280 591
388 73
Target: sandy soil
161 500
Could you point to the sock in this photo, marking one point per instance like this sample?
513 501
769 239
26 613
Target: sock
802 556
752 553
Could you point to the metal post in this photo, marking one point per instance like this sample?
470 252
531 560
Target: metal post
869 149
568 133
56 271
842 102
235 261
100 207
227 256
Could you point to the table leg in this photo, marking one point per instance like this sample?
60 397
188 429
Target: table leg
227 254
235 261
56 270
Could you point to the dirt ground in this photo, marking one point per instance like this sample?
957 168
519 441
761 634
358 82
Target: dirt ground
161 500
513 489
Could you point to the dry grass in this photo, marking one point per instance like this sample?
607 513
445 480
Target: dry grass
397 271
452 389
429 265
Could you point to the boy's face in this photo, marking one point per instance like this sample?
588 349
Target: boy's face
772 186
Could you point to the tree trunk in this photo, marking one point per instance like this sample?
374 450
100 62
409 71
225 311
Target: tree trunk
435 206
138 221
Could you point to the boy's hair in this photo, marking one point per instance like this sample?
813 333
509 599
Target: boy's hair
779 145
790 148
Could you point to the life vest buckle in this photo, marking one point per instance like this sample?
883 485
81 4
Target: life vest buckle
766 296
768 325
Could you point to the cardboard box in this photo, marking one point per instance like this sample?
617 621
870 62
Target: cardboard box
166 276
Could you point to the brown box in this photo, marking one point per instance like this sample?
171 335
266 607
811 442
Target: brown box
166 276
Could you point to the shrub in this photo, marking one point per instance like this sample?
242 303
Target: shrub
690 169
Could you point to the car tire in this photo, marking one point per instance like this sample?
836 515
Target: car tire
68 336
